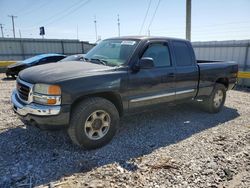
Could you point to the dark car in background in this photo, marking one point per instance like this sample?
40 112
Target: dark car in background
14 69
76 57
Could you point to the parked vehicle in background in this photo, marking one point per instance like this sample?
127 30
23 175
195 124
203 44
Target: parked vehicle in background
120 76
76 57
14 69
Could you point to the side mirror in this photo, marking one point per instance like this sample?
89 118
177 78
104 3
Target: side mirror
146 63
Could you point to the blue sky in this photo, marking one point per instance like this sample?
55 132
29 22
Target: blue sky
211 19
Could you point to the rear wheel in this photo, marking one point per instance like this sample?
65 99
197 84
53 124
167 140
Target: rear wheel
93 122
216 100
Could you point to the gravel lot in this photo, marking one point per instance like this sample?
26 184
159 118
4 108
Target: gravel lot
180 146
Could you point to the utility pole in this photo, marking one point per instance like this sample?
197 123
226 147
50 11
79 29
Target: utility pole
77 31
188 19
1 26
13 24
118 24
95 28
20 34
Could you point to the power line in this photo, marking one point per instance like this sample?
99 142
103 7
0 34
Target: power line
145 17
57 16
152 19
32 8
13 24
72 11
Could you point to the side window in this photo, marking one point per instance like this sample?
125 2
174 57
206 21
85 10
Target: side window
58 58
42 61
48 60
182 54
159 52
52 59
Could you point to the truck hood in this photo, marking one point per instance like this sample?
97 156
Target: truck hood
55 72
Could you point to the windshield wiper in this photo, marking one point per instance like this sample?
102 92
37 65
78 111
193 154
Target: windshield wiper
100 61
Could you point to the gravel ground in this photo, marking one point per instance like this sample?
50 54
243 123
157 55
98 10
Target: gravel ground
180 146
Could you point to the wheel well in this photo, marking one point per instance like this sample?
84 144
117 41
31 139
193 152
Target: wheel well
223 81
111 96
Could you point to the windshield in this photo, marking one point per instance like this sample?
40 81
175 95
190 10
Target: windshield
78 57
113 52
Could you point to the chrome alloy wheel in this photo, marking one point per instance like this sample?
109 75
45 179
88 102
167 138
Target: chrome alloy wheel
97 125
218 98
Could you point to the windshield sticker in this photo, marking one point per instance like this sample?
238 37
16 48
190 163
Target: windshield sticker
128 42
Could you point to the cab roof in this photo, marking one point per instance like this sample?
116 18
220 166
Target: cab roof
143 37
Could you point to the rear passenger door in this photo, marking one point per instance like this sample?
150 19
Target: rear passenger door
187 73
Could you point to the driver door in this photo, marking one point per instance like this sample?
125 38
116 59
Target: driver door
156 85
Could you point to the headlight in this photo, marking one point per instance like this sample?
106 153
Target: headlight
47 94
47 89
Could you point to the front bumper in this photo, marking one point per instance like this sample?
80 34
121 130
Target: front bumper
41 114
11 71
32 108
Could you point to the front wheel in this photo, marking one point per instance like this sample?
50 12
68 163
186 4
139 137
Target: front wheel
93 123
216 100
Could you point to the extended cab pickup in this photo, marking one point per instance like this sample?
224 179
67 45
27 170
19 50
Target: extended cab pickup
119 76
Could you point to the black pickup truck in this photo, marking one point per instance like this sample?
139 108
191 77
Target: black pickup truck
119 76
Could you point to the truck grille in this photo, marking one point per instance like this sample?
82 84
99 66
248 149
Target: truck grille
23 91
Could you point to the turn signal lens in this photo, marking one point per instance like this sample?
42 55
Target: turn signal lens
51 101
54 90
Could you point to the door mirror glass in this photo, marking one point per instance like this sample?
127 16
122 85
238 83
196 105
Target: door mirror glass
146 63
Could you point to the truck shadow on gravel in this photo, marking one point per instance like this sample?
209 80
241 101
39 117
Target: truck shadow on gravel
8 79
29 154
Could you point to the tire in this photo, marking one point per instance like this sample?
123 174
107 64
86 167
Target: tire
215 102
86 128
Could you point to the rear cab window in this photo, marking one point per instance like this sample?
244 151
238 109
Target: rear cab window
183 55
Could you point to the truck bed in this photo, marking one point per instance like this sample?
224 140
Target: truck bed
210 71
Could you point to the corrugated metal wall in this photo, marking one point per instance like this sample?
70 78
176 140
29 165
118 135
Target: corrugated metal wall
238 51
19 49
